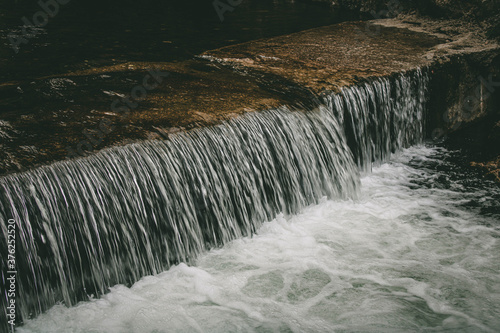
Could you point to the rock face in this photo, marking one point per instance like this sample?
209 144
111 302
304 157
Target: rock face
464 90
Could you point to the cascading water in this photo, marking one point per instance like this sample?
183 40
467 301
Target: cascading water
381 116
88 224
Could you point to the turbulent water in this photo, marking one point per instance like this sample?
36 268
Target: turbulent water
418 251
127 212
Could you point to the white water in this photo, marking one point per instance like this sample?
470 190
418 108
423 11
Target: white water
406 257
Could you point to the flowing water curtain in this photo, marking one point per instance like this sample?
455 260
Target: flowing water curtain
87 224
382 116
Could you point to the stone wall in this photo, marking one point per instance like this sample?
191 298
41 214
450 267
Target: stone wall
463 90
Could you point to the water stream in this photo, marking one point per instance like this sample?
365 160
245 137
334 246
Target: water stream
418 251
391 250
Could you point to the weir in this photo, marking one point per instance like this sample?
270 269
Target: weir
87 224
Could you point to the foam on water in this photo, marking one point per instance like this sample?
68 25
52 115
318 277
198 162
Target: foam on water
407 256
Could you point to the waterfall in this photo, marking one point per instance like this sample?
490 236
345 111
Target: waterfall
86 224
381 116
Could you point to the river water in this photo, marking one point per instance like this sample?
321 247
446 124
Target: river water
417 251
94 33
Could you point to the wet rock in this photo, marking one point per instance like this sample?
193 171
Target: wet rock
328 58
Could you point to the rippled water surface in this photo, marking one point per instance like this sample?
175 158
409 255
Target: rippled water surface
419 251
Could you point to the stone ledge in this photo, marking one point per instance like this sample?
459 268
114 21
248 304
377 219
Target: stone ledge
64 111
